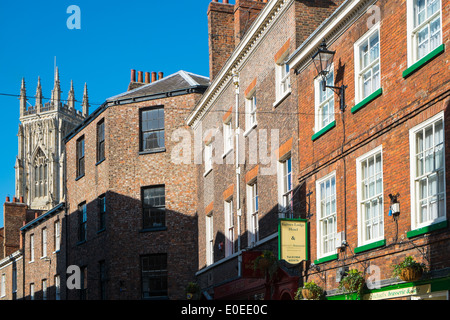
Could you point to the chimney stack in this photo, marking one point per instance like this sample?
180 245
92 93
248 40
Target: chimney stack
149 78
227 24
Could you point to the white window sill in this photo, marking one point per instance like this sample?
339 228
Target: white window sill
246 133
281 99
227 153
207 172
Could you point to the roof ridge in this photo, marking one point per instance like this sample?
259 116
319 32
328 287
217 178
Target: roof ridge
188 78
146 85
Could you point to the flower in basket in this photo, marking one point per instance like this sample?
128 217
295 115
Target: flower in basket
353 281
311 291
409 269
192 290
266 262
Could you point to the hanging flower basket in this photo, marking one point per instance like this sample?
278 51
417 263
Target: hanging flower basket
410 274
409 270
311 291
192 291
267 263
309 295
353 281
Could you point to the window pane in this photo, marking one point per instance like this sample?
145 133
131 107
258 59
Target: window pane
154 207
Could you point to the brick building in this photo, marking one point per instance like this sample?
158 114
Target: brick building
247 126
131 192
33 261
388 146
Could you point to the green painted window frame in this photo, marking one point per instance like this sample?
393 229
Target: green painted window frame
370 246
326 259
419 64
367 100
324 130
427 229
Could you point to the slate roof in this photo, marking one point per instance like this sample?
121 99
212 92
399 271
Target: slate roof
180 80
179 83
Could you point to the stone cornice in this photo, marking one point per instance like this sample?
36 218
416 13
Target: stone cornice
330 30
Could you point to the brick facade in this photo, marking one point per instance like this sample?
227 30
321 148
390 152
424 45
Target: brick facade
255 58
385 122
121 177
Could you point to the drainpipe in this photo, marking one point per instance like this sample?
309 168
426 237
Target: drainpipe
23 264
235 75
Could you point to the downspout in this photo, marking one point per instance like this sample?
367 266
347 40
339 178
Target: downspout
235 75
66 216
23 264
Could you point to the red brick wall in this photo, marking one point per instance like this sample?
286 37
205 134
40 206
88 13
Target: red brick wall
121 176
44 267
257 71
14 216
386 121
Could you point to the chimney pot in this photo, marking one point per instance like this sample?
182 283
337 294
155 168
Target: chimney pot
140 77
153 76
160 75
147 77
7 199
14 199
21 199
133 75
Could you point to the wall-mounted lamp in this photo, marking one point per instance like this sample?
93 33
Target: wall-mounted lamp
323 60
394 209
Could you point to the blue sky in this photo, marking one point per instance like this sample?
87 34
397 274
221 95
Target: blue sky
115 37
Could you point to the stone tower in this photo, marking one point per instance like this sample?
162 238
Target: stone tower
40 160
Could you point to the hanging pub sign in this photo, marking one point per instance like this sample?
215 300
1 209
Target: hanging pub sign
293 240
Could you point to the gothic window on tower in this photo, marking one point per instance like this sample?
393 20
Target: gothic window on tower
40 175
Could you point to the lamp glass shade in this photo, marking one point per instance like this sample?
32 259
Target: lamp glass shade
323 60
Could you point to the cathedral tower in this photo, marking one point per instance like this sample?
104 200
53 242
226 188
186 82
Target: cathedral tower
40 160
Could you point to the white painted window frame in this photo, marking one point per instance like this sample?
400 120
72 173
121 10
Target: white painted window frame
229 228
227 136
208 158
282 77
283 191
251 108
362 240
415 224
320 253
412 50
359 80
252 213
319 105
209 239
